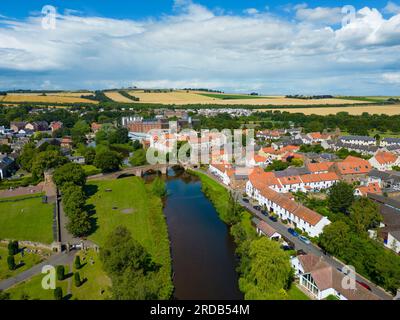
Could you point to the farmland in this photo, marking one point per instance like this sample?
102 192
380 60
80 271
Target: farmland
60 97
355 110
182 97
117 97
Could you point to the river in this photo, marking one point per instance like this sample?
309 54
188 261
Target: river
202 249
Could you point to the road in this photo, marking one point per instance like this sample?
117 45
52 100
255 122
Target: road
299 245
54 260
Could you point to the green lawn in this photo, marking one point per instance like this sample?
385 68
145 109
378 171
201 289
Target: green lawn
131 204
32 289
27 219
230 96
27 261
96 280
295 293
90 170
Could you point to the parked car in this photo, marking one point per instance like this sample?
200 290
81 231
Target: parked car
293 232
301 252
364 285
304 239
245 200
288 248
273 218
265 213
258 208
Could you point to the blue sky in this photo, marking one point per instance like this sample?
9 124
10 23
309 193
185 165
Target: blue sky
272 47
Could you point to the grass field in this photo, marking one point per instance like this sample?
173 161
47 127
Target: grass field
96 280
354 110
48 98
27 261
27 219
32 289
117 97
130 203
295 293
229 96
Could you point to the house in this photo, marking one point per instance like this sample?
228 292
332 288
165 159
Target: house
317 137
258 161
96 127
386 142
351 169
384 160
358 140
386 179
7 166
363 191
17 126
322 167
56 125
393 241
223 172
322 280
66 142
281 205
264 229
76 159
37 126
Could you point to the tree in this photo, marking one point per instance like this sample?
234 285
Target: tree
335 238
60 270
119 136
137 145
13 248
138 158
79 224
4 296
77 279
277 165
79 131
5 148
47 160
73 198
234 210
270 272
77 263
70 172
364 215
341 197
90 155
11 263
26 157
108 161
158 187
58 294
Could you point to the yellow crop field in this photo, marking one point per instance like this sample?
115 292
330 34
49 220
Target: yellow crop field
51 98
117 97
181 97
372 109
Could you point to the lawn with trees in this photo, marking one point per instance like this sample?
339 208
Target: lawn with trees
131 203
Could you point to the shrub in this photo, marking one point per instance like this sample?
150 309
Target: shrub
13 248
77 263
11 263
60 273
58 294
77 279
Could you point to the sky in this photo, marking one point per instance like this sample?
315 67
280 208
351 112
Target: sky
271 47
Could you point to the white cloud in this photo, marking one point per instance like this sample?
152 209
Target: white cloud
391 78
251 11
392 8
198 47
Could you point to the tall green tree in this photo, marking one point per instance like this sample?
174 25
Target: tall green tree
335 238
108 161
341 197
364 215
70 172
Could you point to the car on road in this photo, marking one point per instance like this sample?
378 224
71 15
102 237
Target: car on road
265 213
245 200
258 208
293 232
364 285
287 247
273 218
304 239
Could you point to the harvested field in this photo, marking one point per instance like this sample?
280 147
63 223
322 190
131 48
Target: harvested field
50 98
194 97
373 109
117 97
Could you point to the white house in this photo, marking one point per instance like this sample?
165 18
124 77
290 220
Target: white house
222 172
384 161
393 241
295 214
387 142
264 229
358 140
322 280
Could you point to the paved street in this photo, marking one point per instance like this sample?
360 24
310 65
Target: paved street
299 245
54 260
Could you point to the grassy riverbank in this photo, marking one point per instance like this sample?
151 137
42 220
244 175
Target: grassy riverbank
242 231
129 202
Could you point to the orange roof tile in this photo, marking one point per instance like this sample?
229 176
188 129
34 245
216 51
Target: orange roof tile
318 167
384 157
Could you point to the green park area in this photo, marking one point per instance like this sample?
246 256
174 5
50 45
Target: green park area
130 203
26 218
24 261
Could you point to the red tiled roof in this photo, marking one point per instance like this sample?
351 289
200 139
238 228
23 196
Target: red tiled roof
353 165
371 188
384 157
319 167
